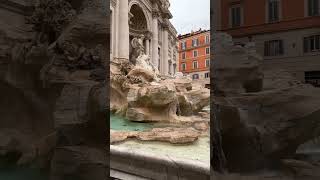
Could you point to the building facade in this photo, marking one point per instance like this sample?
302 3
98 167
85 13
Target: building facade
194 54
131 18
286 32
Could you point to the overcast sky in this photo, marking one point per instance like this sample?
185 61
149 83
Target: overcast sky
190 15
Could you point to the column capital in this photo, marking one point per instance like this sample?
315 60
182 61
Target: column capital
113 3
148 35
165 26
155 14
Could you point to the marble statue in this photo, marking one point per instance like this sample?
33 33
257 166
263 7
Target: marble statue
139 58
138 48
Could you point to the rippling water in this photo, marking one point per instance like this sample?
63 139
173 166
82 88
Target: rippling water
119 123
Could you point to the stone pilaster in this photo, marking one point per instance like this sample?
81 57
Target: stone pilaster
123 41
155 43
165 44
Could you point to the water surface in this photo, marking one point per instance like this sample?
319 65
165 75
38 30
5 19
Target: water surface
122 124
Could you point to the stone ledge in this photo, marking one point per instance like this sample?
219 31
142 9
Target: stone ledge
150 165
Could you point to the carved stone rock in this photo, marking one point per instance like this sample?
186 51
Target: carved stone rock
266 123
52 72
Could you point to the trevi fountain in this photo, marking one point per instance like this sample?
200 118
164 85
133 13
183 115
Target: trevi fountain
156 113
53 105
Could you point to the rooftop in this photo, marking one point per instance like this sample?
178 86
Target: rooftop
192 33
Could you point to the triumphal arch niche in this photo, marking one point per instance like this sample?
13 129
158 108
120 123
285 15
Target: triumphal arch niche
150 18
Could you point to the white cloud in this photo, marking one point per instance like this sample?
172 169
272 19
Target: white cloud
190 15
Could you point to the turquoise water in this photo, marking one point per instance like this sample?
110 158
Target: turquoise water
121 124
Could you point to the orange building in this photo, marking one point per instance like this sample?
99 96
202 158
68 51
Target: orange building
286 32
194 54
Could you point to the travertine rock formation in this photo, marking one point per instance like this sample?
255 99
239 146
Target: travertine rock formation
141 94
262 124
236 68
172 135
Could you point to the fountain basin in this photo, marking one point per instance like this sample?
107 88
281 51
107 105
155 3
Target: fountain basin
133 161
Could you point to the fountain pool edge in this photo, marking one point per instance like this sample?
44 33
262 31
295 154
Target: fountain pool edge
150 165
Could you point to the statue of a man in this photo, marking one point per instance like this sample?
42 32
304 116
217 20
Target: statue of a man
137 45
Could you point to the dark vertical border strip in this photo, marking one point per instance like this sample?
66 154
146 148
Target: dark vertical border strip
217 158
212 29
107 83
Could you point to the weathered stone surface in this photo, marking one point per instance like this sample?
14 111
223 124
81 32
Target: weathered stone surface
171 135
78 162
52 72
153 95
301 169
193 101
268 123
141 96
183 84
146 75
236 69
202 126
119 136
71 107
151 103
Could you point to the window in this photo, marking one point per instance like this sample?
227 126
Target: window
183 55
207 50
313 7
174 68
207 62
239 44
207 75
159 57
195 64
273 48
235 16
273 10
183 66
195 53
311 43
312 77
195 76
195 42
207 39
183 45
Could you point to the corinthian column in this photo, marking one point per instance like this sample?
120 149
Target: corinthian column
155 42
123 41
165 63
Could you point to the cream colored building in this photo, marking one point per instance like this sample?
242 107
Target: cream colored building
130 18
